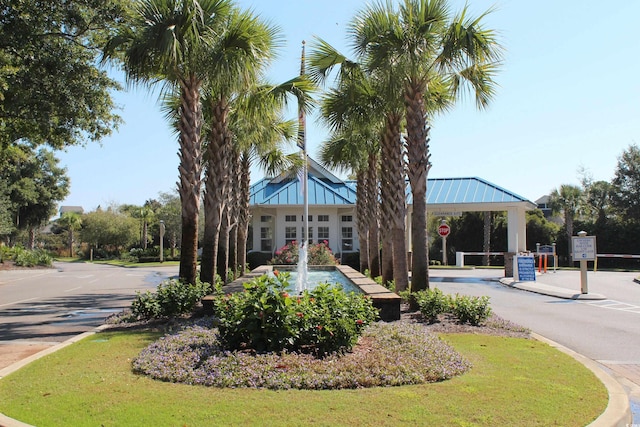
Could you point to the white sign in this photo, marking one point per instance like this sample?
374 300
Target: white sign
584 248
445 213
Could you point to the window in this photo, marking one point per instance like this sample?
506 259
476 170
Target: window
310 218
323 218
309 237
266 239
290 218
347 218
290 235
347 238
265 218
323 235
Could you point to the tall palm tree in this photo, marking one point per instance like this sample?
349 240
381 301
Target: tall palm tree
433 55
236 61
72 221
568 200
168 41
383 102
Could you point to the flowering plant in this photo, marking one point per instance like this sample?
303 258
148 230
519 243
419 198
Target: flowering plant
266 318
317 254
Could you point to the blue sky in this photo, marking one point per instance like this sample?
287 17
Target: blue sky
568 98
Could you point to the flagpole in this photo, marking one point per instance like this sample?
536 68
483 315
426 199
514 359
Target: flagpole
301 282
302 136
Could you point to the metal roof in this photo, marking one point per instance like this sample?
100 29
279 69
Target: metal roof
440 191
321 192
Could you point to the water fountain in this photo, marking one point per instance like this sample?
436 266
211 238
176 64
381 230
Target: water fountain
302 269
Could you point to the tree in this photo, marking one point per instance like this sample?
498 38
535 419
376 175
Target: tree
170 40
384 102
72 222
626 184
236 58
433 55
110 230
35 185
169 212
568 200
52 91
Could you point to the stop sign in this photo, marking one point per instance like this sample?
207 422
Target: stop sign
444 230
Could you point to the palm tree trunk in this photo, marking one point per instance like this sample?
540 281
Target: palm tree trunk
223 247
217 179
362 197
419 165
373 214
70 243
393 194
243 210
190 169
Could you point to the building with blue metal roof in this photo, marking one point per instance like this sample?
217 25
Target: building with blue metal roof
277 208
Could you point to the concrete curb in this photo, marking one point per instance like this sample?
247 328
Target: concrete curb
540 288
618 412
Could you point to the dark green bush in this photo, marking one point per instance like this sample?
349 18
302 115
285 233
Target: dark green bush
27 258
266 318
473 310
172 298
467 309
432 302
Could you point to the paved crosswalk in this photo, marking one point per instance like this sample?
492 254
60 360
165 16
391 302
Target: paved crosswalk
614 305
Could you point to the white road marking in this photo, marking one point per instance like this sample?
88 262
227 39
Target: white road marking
17 302
73 289
614 305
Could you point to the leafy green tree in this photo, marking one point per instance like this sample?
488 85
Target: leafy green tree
72 222
51 91
35 185
169 212
568 200
626 184
170 41
110 230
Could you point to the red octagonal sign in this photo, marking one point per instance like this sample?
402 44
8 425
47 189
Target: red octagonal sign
444 230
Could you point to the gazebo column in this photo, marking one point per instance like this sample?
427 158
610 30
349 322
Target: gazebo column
516 237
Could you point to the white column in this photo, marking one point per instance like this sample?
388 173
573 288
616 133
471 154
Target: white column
516 230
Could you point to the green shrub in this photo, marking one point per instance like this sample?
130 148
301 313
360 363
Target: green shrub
432 302
266 318
172 298
26 258
473 310
467 309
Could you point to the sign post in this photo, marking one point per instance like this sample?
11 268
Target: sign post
443 231
584 249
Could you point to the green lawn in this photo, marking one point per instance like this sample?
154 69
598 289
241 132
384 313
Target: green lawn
512 382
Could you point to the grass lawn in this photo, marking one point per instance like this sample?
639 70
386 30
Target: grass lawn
119 263
513 382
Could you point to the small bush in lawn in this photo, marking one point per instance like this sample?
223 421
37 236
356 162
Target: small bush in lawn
473 310
432 302
467 309
172 298
266 318
26 258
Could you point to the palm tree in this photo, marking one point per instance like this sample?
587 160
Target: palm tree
382 102
72 221
238 57
569 200
169 41
432 54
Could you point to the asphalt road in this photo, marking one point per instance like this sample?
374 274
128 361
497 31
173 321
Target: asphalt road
51 305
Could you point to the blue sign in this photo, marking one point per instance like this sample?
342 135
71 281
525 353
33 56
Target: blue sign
526 269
